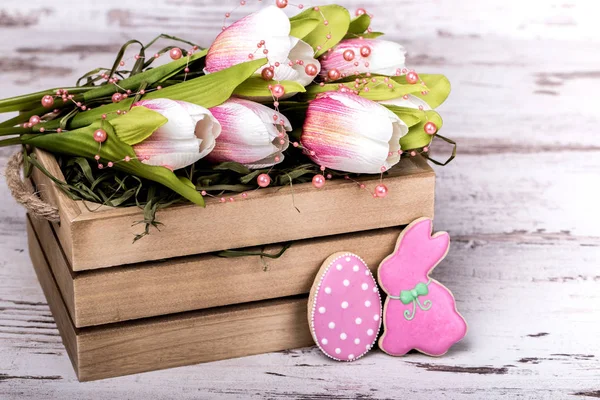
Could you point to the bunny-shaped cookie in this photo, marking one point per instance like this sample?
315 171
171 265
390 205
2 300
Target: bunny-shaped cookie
419 312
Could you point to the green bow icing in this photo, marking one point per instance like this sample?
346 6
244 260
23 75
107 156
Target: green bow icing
408 296
412 296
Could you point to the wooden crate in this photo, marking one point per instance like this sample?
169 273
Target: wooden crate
198 282
174 340
99 239
167 300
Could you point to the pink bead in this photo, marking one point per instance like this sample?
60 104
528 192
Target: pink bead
430 128
348 55
425 149
300 6
42 129
412 77
100 166
58 130
278 90
334 74
250 56
365 51
263 180
122 63
100 135
47 101
127 158
277 158
267 74
244 195
231 199
222 200
96 157
381 190
318 181
281 3
203 193
175 53
186 70
360 11
413 153
329 176
325 22
110 164
34 120
295 144
142 92
311 69
117 97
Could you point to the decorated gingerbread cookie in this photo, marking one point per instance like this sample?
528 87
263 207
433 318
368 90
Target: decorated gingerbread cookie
419 312
344 308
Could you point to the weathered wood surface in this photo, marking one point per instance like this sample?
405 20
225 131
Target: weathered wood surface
520 202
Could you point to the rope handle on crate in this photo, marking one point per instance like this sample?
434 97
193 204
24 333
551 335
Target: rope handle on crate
24 193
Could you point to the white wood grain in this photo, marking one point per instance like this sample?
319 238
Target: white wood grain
519 202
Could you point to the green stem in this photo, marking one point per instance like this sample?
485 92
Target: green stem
10 142
17 103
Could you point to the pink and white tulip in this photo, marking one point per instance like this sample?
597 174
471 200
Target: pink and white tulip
376 56
253 134
346 132
188 135
237 42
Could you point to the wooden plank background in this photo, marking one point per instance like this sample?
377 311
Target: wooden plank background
520 203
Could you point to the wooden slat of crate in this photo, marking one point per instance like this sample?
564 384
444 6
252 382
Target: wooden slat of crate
199 282
99 239
176 340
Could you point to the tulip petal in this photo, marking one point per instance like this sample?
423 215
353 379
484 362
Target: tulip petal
300 51
385 58
248 135
188 135
207 129
234 44
352 134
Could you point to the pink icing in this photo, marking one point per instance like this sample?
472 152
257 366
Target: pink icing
346 309
432 331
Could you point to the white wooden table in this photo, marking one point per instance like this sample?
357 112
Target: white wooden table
520 202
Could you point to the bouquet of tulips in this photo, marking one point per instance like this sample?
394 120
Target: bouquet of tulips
273 100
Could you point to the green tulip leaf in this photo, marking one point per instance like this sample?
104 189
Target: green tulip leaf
416 137
302 27
258 87
437 87
206 91
150 76
378 90
359 24
137 125
338 19
410 116
366 35
80 142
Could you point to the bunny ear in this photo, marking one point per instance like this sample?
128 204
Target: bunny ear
417 244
